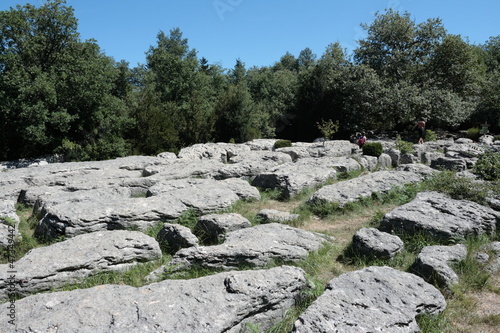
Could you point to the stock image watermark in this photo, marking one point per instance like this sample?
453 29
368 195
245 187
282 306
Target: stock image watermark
11 280
222 7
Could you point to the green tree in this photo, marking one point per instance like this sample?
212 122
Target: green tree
56 91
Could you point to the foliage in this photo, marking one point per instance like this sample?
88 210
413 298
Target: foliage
373 149
282 144
404 147
430 135
474 133
188 218
488 166
328 128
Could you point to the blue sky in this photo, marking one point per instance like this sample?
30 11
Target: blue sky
259 32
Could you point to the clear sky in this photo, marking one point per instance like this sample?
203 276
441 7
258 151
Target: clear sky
259 32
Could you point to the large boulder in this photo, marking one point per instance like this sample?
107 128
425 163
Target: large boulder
224 302
374 299
434 263
375 243
72 260
251 164
354 189
251 247
441 217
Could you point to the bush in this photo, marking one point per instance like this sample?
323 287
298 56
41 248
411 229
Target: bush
372 149
474 133
404 147
282 144
430 135
488 166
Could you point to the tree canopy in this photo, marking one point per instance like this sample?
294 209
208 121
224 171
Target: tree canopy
59 94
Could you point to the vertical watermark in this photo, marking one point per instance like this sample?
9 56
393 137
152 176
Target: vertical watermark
11 280
222 7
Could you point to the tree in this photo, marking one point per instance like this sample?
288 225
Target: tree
57 92
396 47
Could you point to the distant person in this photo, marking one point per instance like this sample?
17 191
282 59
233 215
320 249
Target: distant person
361 140
420 126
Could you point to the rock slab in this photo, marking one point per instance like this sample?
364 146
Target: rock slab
223 302
72 260
374 299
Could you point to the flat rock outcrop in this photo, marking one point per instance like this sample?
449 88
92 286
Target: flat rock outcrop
72 260
441 217
291 178
223 302
364 186
273 215
166 201
434 263
374 299
251 247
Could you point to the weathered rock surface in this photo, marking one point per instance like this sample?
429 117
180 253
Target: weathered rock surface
441 217
374 299
433 263
251 164
167 201
273 215
449 163
219 303
363 186
9 224
291 178
217 151
251 247
213 228
375 243
72 260
173 237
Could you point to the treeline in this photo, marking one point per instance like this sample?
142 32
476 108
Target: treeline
59 94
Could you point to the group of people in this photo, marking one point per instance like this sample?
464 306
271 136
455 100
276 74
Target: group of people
419 126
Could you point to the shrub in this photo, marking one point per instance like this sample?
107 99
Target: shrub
488 166
474 133
404 147
372 149
282 144
430 135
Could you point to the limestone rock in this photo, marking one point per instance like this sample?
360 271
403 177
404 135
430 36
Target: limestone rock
374 299
363 186
433 263
252 247
375 243
9 224
273 215
212 228
72 260
223 302
173 237
441 217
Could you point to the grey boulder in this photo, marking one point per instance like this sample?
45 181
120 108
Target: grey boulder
364 186
441 217
173 237
224 302
212 228
375 243
374 299
433 263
